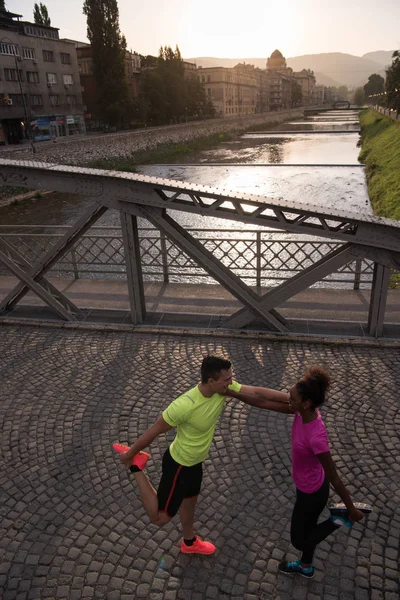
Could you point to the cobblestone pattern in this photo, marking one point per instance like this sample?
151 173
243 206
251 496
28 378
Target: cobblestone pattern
72 526
85 150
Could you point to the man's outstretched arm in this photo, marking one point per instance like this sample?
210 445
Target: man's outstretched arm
263 398
160 426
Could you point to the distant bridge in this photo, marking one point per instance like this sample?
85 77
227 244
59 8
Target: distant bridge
341 105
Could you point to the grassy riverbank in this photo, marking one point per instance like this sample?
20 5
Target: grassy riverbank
380 152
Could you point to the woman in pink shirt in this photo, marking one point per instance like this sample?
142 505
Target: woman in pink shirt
312 465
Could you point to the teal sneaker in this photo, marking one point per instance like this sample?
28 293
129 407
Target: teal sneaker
339 521
294 567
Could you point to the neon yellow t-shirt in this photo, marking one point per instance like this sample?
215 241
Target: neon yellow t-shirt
195 417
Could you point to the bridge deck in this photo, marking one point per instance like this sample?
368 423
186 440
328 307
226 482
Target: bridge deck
315 311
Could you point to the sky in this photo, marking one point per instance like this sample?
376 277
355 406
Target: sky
240 28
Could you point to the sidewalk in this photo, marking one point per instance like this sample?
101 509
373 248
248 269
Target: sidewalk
207 305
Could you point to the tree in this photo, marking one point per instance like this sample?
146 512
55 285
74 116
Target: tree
2 5
108 52
359 96
41 14
393 82
166 96
374 85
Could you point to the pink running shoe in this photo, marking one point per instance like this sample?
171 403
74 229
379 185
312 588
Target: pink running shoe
198 547
140 459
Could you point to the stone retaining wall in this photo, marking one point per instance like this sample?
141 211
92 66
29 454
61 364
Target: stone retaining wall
87 149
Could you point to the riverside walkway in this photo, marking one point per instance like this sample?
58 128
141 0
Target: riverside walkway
72 524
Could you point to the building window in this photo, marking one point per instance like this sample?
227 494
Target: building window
54 99
203 79
28 53
17 99
38 32
9 49
71 100
65 58
48 56
32 76
51 78
209 92
12 75
86 67
67 80
36 100
208 78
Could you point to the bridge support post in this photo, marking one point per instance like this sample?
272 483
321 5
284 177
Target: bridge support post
377 307
133 263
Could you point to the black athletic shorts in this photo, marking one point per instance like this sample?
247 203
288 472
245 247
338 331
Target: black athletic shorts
177 483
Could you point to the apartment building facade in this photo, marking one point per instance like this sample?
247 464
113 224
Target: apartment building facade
233 92
306 80
282 78
40 90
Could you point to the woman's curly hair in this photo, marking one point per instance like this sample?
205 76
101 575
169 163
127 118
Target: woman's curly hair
314 385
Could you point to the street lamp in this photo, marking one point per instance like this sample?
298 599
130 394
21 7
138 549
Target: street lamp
28 127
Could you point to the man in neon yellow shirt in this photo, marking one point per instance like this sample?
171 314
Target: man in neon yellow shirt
194 414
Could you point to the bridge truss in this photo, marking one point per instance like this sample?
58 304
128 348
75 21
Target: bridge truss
156 200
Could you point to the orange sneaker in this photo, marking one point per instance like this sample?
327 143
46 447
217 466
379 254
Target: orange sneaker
198 547
140 459
120 448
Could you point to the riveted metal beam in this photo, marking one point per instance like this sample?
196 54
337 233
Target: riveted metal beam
133 267
54 254
110 188
10 257
377 307
213 266
275 297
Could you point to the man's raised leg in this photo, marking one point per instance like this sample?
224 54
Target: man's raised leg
150 500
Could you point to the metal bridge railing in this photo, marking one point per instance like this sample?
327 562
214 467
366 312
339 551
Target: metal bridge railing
260 258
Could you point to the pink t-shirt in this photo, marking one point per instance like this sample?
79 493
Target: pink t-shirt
308 440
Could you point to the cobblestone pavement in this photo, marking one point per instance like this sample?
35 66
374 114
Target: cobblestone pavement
72 525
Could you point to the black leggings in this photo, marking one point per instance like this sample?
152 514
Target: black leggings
305 534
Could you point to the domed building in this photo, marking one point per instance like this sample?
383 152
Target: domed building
276 62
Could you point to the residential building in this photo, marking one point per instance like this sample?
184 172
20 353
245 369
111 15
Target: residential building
306 79
190 70
233 91
280 77
320 95
40 91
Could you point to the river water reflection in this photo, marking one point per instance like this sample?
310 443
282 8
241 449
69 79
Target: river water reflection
246 165
316 168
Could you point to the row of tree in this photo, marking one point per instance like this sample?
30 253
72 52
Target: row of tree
166 95
385 92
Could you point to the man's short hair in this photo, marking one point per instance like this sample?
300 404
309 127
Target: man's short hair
212 366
